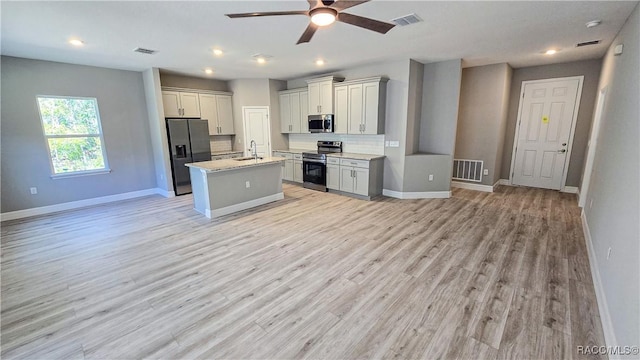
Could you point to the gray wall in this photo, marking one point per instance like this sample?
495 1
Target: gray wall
590 69
189 82
157 129
414 108
25 161
417 169
482 118
440 100
615 186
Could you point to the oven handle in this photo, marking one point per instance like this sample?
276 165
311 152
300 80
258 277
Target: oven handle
314 161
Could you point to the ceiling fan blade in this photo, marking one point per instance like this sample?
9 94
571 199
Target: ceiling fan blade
345 4
267 13
308 33
363 22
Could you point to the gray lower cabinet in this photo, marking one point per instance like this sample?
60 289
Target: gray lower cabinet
355 176
287 166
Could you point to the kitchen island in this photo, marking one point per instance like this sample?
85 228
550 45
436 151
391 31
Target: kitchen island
222 187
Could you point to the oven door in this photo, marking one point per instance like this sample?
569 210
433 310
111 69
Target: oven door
314 174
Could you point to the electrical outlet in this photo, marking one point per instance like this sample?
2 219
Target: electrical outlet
486 172
248 184
33 190
608 253
386 144
430 177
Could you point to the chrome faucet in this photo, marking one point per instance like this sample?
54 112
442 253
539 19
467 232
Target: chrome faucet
254 149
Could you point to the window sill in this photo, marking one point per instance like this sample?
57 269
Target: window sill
80 173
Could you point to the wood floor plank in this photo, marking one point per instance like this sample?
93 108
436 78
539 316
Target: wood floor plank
477 276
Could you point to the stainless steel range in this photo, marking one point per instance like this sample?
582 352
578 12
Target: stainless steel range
314 164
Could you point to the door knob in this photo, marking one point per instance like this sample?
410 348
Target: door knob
562 151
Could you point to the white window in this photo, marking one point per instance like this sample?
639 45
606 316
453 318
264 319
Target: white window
73 133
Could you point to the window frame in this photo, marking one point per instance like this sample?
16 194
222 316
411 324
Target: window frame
100 135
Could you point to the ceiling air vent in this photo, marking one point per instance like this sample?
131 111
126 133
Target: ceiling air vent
587 43
406 20
144 51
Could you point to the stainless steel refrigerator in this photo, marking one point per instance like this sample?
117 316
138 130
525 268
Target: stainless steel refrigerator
188 142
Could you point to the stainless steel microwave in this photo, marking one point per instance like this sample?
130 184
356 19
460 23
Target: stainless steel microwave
320 123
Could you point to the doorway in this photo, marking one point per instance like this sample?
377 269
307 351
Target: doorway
256 127
591 147
544 133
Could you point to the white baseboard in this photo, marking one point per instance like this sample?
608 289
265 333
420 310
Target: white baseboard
605 317
12 215
243 206
417 194
503 182
165 193
469 186
570 190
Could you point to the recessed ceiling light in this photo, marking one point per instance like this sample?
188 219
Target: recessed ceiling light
76 42
319 62
208 71
593 23
551 52
217 52
262 58
323 16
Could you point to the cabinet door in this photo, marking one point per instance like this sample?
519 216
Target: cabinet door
361 181
304 112
297 171
288 170
285 113
355 109
225 114
370 116
190 105
341 114
314 99
326 97
294 100
333 177
171 104
209 112
346 178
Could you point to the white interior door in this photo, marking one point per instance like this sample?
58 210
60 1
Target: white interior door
548 109
256 127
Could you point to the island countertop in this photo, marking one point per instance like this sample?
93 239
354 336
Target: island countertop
231 164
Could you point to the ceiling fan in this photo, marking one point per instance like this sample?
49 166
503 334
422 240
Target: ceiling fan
325 12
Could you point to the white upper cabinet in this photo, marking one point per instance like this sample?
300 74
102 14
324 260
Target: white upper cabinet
360 106
321 95
218 110
341 110
293 111
180 104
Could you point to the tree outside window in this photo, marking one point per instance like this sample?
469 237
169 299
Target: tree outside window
73 132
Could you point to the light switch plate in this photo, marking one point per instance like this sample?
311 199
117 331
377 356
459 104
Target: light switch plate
394 143
386 144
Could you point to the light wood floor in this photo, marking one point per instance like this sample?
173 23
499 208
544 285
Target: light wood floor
477 276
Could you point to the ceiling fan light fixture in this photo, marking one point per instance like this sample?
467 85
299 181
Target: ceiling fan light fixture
323 16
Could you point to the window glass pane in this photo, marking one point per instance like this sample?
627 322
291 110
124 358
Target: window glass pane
69 116
76 154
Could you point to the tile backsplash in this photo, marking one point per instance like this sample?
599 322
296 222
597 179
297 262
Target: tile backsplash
220 143
358 144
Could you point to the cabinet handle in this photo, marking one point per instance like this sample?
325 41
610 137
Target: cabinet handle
364 127
318 107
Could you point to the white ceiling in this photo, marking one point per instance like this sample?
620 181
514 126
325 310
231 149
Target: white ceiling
184 33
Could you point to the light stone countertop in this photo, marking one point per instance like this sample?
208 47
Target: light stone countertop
226 152
294 151
367 157
231 164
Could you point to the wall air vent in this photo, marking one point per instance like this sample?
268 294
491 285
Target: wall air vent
406 20
145 51
587 43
